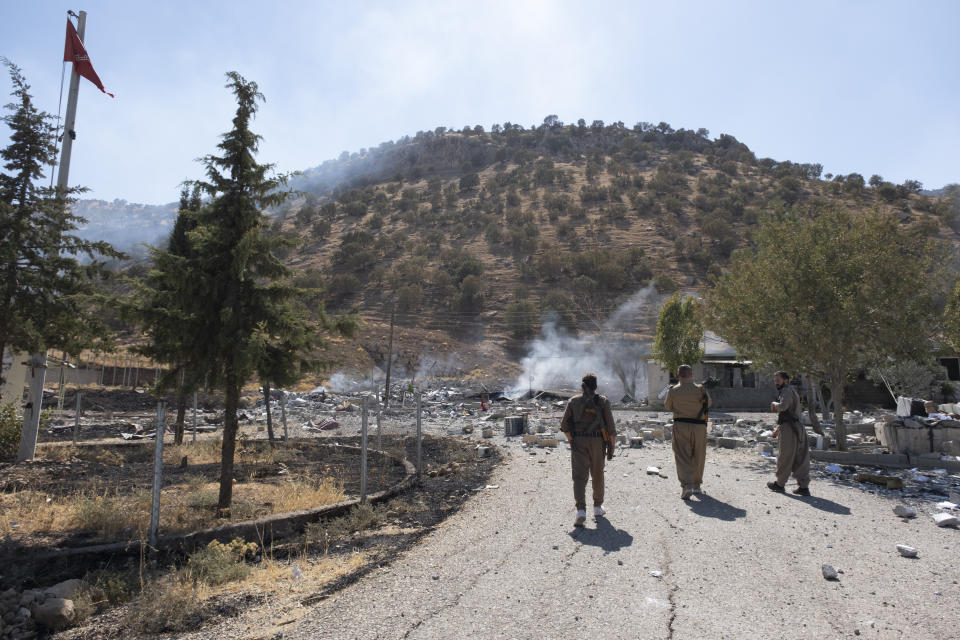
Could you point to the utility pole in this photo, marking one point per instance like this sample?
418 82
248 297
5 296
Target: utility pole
386 395
38 361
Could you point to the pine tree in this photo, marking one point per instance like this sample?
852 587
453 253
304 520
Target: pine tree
47 299
221 308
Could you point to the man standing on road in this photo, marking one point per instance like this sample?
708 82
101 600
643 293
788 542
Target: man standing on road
588 424
689 403
794 449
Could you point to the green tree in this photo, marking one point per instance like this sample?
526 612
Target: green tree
679 333
235 314
830 293
47 298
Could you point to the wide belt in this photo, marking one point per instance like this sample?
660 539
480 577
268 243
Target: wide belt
586 434
690 420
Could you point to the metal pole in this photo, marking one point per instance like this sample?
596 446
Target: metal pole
283 416
363 453
157 473
76 419
419 436
116 365
38 361
31 412
194 416
103 367
379 428
386 399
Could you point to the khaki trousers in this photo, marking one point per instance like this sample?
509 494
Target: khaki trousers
690 452
794 455
587 460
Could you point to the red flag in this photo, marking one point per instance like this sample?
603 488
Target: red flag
73 51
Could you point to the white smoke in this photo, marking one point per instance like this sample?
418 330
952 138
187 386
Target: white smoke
616 353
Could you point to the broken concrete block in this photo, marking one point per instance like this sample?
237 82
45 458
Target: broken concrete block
549 442
907 551
487 432
529 438
731 443
483 452
904 511
636 443
946 520
652 471
829 572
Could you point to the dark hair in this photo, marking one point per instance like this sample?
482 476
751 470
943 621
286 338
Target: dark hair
783 374
590 381
684 370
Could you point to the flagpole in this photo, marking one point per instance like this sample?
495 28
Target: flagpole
38 361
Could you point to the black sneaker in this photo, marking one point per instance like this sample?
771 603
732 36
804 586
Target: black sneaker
801 491
773 486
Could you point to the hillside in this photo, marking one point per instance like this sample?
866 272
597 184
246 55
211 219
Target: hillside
482 241
476 236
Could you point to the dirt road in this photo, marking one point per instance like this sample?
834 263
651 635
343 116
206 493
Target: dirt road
738 562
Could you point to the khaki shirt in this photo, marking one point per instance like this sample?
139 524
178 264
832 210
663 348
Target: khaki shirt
581 413
789 401
685 399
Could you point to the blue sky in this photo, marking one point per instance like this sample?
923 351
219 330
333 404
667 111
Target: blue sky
861 86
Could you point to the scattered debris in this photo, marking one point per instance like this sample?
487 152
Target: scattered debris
829 572
946 520
907 551
904 511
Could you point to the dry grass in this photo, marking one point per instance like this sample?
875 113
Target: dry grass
183 507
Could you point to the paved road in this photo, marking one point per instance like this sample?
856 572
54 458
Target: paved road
739 562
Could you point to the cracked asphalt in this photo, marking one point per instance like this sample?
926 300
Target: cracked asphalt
737 562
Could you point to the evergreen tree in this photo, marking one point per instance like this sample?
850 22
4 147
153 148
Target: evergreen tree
47 299
220 307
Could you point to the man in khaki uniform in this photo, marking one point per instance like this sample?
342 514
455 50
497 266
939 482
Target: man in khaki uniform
794 449
584 422
689 403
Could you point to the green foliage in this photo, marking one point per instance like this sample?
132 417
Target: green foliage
910 378
679 334
559 305
830 293
409 297
10 426
522 319
47 298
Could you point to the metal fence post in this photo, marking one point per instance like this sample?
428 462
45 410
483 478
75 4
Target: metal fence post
363 453
283 416
194 416
76 419
419 436
157 473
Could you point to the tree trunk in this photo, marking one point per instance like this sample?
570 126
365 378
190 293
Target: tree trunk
812 405
181 414
230 424
836 390
266 403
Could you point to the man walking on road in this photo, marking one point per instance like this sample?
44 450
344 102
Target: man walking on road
689 403
794 449
588 424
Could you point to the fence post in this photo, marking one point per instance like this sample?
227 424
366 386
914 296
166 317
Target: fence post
76 419
283 416
419 436
194 416
363 453
157 473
